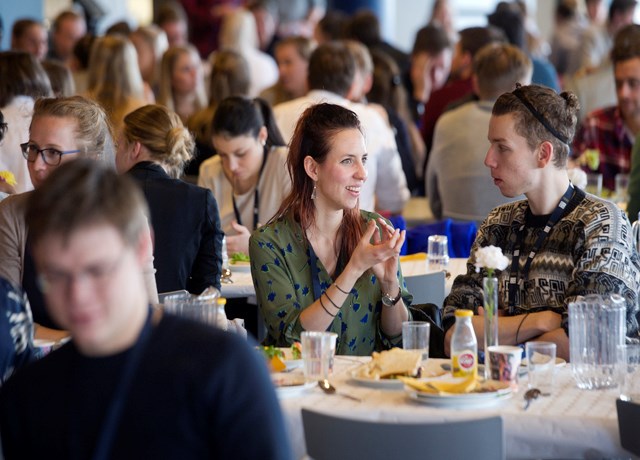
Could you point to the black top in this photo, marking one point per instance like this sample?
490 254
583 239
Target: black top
198 393
186 229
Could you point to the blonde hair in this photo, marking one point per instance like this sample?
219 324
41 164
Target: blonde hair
165 90
161 131
92 132
114 78
156 39
238 31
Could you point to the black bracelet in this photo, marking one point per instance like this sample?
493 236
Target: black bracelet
325 308
340 289
334 304
519 325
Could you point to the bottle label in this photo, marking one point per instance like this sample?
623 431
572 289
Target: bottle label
464 363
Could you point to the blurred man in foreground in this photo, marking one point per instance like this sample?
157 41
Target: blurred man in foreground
133 382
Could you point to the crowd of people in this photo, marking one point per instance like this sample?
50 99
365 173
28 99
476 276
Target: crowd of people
293 133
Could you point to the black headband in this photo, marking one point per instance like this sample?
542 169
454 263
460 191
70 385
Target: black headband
518 93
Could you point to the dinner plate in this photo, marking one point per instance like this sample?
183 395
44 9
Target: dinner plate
461 401
290 385
387 384
559 362
293 364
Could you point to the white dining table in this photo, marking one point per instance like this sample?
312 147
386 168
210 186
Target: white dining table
242 285
571 423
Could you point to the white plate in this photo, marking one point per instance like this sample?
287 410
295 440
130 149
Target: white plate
387 384
239 267
290 391
461 401
293 364
559 362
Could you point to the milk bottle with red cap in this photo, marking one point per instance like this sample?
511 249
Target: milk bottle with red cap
464 346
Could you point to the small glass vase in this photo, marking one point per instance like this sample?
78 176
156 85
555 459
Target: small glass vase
490 290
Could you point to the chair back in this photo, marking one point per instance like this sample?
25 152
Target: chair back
628 422
336 438
427 287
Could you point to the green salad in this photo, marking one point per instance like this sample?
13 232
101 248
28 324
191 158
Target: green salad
238 257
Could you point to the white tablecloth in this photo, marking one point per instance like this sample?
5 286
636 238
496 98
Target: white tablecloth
572 423
242 285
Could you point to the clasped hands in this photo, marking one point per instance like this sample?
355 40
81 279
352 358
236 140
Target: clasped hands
379 249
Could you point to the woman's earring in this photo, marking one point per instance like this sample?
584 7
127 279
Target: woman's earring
313 193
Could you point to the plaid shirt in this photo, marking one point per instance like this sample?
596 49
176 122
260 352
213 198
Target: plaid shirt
603 144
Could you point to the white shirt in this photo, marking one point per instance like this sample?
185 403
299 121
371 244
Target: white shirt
274 185
17 116
386 185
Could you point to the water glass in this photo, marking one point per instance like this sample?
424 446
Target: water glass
622 186
594 184
318 350
415 336
541 365
438 253
629 372
504 362
597 328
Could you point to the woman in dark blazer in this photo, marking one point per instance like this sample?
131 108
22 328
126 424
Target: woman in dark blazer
153 148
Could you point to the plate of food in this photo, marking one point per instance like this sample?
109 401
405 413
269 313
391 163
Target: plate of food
283 359
458 392
385 367
239 262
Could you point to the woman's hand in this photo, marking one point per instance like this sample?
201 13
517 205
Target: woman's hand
380 250
240 241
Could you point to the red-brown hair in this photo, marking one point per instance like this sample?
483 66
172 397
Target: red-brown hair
313 137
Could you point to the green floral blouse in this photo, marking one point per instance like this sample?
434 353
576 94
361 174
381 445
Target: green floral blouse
282 276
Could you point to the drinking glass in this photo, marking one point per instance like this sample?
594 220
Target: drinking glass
594 184
622 186
438 253
318 349
629 372
415 336
541 365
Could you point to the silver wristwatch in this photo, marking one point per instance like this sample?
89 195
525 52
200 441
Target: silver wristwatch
389 301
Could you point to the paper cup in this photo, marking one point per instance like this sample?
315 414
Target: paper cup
504 363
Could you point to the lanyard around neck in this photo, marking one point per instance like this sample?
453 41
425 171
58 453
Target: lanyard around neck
515 280
256 195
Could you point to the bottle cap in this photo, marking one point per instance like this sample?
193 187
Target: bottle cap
463 313
221 301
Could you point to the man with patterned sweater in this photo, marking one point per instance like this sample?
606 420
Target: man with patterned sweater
561 242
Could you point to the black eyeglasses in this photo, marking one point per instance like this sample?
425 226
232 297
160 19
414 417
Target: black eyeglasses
51 157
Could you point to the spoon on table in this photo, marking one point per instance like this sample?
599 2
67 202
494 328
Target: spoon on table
329 389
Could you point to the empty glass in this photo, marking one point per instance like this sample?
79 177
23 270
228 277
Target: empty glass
415 336
541 365
629 372
438 253
318 349
597 328
594 184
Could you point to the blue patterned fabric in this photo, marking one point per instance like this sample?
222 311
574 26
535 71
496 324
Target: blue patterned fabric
16 330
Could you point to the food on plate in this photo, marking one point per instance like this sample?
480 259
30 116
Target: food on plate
470 384
391 364
275 358
296 350
239 257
